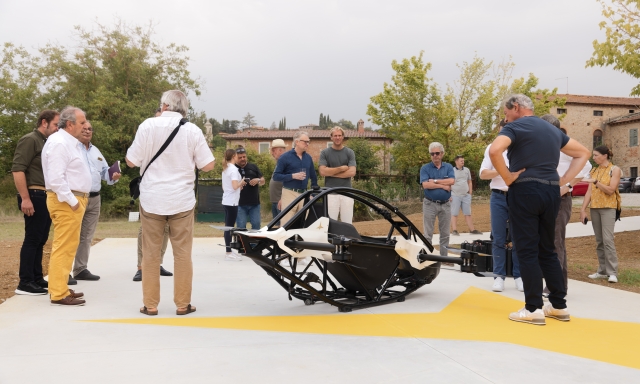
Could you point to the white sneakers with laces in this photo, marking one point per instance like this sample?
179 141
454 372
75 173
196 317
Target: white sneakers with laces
498 284
519 284
536 317
558 314
597 276
613 279
233 256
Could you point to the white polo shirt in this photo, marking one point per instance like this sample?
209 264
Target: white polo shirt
565 162
497 182
167 187
64 167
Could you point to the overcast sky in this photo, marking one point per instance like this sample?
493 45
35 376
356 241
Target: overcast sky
301 58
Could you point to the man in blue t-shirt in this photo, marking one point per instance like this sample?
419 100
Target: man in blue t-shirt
437 178
534 148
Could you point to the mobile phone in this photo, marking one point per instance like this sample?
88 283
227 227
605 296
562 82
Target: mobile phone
247 180
585 221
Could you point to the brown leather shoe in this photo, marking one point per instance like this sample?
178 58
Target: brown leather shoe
75 295
68 301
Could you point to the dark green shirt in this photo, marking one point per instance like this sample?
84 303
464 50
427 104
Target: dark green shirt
27 157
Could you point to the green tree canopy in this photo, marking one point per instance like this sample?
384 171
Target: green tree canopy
248 121
366 159
621 47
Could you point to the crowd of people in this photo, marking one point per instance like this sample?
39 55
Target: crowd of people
532 166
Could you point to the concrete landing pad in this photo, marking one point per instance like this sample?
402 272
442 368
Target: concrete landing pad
454 330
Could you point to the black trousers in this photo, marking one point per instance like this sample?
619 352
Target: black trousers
230 215
533 208
36 233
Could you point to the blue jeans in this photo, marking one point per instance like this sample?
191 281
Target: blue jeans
275 211
230 215
252 212
533 208
499 218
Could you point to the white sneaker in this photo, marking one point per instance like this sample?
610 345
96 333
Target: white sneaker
597 276
536 317
519 285
558 314
498 284
613 279
232 257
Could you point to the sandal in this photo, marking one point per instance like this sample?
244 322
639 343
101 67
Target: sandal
147 312
186 311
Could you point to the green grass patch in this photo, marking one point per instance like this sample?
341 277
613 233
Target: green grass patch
629 277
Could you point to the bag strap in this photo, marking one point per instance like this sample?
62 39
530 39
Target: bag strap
166 144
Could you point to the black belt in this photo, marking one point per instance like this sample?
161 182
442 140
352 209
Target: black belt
296 190
541 181
94 194
499 191
437 201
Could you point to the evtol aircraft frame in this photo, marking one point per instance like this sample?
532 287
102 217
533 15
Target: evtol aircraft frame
352 271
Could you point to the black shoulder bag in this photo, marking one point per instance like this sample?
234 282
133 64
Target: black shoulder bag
134 185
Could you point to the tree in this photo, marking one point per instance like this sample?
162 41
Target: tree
282 125
325 122
216 127
248 121
117 76
218 142
20 93
621 47
230 126
411 111
346 124
273 126
366 160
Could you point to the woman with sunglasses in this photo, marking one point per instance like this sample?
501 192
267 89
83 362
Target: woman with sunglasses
232 183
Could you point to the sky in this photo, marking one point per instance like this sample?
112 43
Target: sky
297 59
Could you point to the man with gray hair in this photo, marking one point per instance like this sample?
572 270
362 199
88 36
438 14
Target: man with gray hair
436 178
167 196
534 199
294 168
68 182
564 212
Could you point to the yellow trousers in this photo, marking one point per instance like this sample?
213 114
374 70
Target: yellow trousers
67 224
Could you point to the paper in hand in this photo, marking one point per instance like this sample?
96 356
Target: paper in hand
115 168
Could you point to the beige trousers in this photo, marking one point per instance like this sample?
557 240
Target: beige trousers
287 198
181 236
165 241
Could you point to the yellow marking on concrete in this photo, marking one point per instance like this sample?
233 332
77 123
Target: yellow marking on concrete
475 315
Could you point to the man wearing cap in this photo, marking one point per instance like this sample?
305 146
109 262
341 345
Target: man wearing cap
99 169
338 165
294 169
249 204
275 187
32 201
68 182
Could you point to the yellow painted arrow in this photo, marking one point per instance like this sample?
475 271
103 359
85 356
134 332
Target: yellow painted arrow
475 315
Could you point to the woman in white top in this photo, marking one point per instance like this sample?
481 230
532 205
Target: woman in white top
232 183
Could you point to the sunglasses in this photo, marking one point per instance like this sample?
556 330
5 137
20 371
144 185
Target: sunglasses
305 141
435 153
241 150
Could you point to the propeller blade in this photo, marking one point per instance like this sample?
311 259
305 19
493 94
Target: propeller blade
222 228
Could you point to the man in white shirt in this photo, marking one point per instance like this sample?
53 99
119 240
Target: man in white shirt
499 222
99 169
68 182
167 196
564 213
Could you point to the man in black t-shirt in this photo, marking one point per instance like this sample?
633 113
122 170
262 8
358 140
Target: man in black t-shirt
534 148
249 204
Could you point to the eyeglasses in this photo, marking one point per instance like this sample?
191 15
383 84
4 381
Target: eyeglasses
305 141
89 129
241 150
435 153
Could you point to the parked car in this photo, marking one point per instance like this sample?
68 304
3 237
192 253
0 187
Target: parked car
636 186
580 189
626 184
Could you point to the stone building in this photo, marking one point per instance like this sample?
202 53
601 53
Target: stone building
612 121
320 139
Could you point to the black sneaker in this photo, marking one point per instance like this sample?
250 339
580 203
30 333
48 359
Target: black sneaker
138 275
43 283
164 272
86 275
31 289
72 281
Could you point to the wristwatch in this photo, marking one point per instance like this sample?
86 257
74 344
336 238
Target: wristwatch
568 185
435 181
595 182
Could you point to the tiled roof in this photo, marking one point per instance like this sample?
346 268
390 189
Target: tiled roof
601 100
624 119
277 134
